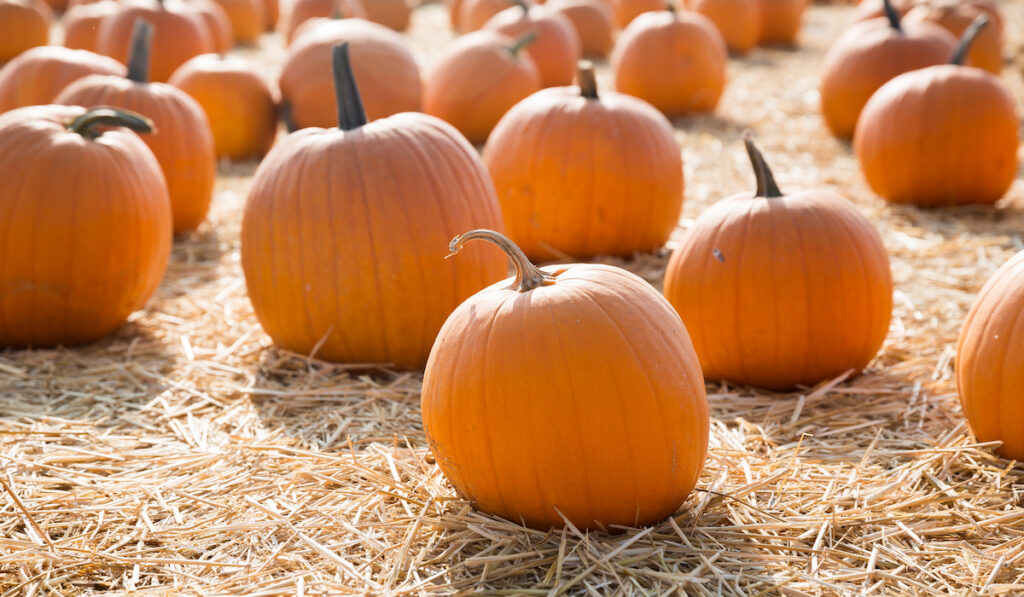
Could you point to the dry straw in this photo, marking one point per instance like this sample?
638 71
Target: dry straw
186 455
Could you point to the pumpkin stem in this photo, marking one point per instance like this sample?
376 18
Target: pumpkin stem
587 79
766 186
523 5
528 38
962 48
138 57
86 124
893 15
351 114
670 6
528 275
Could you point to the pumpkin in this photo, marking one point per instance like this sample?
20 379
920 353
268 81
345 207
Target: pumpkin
990 363
567 394
218 23
870 53
780 291
674 60
179 33
238 103
873 9
987 50
477 79
182 141
781 21
593 22
942 135
304 10
627 10
82 250
583 174
37 75
271 13
57 5
82 22
453 7
473 14
344 229
394 14
557 47
739 21
247 19
385 68
24 24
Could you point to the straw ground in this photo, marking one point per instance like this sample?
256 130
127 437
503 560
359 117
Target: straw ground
186 454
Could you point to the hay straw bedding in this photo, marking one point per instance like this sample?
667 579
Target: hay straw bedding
186 454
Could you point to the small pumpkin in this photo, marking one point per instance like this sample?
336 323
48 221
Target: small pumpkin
39 74
627 10
237 100
218 23
870 53
182 141
593 22
739 21
587 343
24 24
83 250
987 50
344 231
477 78
990 361
581 174
781 21
781 290
557 47
941 135
385 68
393 14
675 60
304 10
247 18
82 22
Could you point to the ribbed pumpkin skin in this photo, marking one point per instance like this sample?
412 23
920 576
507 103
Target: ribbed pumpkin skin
801 293
593 22
987 50
182 141
555 51
584 395
179 33
586 177
393 14
238 103
385 69
38 75
82 21
739 21
942 135
866 56
303 10
24 24
247 19
990 361
675 61
781 21
345 233
80 251
476 81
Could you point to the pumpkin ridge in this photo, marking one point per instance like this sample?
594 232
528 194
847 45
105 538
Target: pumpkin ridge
1007 421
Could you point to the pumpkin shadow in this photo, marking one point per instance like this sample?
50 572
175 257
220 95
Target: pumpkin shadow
1006 217
710 123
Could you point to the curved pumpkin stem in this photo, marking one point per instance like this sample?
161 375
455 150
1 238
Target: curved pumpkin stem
528 275
766 186
587 79
138 56
893 15
351 114
86 124
962 48
528 38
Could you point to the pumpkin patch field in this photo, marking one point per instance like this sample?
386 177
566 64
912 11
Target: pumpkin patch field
749 348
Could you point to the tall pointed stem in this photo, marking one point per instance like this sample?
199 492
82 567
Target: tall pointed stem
766 186
351 114
138 57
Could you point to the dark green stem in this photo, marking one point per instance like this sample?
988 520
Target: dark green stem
138 57
962 48
528 38
766 186
86 124
587 79
528 275
893 15
351 114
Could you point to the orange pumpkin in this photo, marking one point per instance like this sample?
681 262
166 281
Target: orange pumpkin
342 237
247 19
37 75
942 135
82 250
57 5
271 13
453 6
238 103
580 174
990 361
593 22
557 47
781 21
987 50
82 22
739 21
627 10
393 14
780 291
870 53
179 33
674 60
477 79
24 24
473 14
593 345
304 10
218 23
182 142
386 70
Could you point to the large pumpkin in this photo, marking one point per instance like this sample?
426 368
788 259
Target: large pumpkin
987 50
38 75
593 22
990 361
870 53
24 24
583 174
385 69
82 250
557 47
780 291
739 21
781 21
570 393
942 135
676 60
182 141
344 232
82 22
